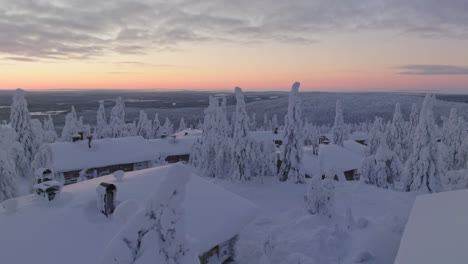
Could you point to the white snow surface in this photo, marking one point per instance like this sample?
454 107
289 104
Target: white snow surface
437 230
68 156
70 230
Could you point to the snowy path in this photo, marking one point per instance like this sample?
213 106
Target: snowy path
296 237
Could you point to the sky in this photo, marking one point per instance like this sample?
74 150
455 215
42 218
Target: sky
327 45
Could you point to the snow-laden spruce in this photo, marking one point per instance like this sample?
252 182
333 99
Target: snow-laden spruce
157 129
339 128
266 123
373 141
72 125
144 127
383 168
291 155
397 133
274 122
211 154
20 121
453 134
182 125
117 126
8 150
102 129
320 197
168 127
423 170
157 233
240 163
49 133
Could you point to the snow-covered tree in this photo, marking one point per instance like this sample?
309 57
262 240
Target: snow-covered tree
157 129
240 143
71 126
462 154
50 135
274 122
20 121
453 134
157 233
8 175
382 169
102 129
211 153
38 131
320 197
144 127
182 125
423 170
117 126
130 129
168 127
266 123
413 123
291 155
397 133
311 134
373 142
253 124
266 159
338 129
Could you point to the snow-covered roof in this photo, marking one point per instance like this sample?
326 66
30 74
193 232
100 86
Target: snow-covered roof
69 156
190 132
331 157
437 230
358 135
355 147
71 230
266 135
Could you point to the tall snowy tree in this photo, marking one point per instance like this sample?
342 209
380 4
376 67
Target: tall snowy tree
423 170
382 169
8 175
291 155
117 126
102 129
453 134
157 129
413 123
20 121
144 127
274 122
253 124
38 131
397 133
157 233
373 142
222 143
71 126
266 123
240 144
338 129
168 127
50 135
182 125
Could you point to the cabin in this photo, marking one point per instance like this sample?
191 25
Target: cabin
71 229
67 160
343 162
359 137
325 139
437 230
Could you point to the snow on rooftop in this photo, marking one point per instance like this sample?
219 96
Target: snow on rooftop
331 157
358 135
69 156
437 230
190 132
70 229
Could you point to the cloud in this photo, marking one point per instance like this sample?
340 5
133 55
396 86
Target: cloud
433 70
84 29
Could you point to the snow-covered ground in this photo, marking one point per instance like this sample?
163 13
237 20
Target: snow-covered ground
288 234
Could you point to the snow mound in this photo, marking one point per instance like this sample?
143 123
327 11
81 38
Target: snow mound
124 211
118 175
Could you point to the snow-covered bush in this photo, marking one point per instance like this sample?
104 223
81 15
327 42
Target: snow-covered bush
157 233
119 175
320 198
